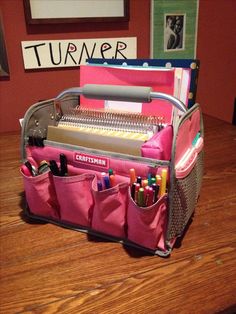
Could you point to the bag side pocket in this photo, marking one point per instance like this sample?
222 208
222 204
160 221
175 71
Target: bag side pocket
41 195
109 215
75 198
147 225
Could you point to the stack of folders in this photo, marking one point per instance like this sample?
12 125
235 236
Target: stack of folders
105 129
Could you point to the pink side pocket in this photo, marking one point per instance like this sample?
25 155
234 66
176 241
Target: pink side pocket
41 195
109 215
75 198
147 225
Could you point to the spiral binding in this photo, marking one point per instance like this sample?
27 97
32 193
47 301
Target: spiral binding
107 119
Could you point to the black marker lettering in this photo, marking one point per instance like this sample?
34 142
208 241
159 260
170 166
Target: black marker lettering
36 51
71 48
105 47
51 54
120 46
84 47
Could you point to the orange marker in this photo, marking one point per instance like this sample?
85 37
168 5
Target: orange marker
158 179
132 176
112 180
144 183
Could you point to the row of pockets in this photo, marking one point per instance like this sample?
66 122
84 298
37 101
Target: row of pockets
75 200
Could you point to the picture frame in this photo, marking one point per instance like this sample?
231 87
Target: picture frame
75 11
174 29
4 67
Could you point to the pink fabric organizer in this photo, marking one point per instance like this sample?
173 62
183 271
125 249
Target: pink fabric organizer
91 189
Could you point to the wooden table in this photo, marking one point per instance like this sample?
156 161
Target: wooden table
48 269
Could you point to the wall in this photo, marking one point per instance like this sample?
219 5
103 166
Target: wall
216 51
27 87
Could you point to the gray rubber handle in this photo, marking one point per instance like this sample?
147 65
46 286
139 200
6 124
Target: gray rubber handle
117 92
121 93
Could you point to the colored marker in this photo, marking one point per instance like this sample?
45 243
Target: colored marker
144 183
149 179
163 182
110 172
137 187
132 176
155 188
158 179
139 180
112 180
153 180
141 201
133 190
150 196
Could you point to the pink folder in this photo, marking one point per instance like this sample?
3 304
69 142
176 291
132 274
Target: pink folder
161 80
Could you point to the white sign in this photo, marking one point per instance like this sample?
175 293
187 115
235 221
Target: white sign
71 53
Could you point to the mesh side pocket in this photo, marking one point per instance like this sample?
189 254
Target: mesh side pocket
185 197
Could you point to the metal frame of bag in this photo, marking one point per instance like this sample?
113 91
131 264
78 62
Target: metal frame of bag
183 192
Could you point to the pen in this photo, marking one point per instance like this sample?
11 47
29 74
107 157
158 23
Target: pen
99 185
106 182
54 168
63 164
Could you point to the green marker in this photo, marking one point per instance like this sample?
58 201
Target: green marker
141 201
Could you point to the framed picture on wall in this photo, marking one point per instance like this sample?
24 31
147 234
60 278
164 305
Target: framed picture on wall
75 11
174 29
4 68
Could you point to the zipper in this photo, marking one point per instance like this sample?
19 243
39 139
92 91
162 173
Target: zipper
143 160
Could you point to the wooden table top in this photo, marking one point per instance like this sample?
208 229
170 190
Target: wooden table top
49 269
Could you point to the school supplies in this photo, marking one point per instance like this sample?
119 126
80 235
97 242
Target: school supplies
118 175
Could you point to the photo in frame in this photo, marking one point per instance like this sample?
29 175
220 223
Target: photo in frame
4 67
174 29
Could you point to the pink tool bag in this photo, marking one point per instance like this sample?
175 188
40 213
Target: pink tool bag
124 176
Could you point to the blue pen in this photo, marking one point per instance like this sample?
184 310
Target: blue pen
106 182
99 185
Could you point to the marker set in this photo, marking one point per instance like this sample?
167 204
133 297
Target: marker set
108 180
145 192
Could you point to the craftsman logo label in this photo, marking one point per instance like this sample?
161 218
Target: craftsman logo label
92 160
